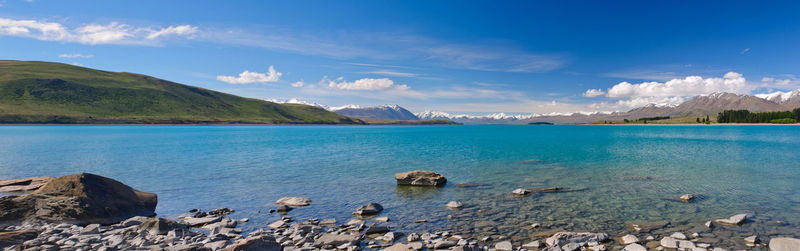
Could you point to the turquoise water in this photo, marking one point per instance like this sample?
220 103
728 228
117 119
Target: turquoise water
624 173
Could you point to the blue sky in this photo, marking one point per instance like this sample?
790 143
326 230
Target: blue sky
453 56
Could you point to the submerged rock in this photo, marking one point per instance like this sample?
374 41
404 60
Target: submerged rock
504 246
687 197
629 239
634 247
521 191
24 184
368 209
420 178
293 201
738 219
81 199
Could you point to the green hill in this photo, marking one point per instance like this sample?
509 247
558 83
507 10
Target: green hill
44 92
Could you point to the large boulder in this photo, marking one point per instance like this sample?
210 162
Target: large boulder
81 199
784 244
24 184
420 178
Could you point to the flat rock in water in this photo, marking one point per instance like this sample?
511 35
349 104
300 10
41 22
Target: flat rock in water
382 219
197 222
80 199
376 230
669 242
470 185
443 244
582 238
293 201
784 244
629 239
521 191
420 178
532 245
738 219
454 204
687 197
371 208
24 184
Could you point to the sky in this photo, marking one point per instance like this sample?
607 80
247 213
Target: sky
467 57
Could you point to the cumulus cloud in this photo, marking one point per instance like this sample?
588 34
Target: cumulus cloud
591 93
248 77
366 84
112 33
689 86
75 55
298 84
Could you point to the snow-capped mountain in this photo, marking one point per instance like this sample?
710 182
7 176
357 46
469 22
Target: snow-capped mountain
789 99
383 112
297 101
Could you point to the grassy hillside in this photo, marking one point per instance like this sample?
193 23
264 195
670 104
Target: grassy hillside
43 92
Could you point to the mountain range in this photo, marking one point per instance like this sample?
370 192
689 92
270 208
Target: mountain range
701 105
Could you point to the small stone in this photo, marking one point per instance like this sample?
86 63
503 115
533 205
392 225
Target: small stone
277 224
354 222
420 178
91 229
678 235
376 230
382 219
708 224
521 191
532 245
634 247
629 239
571 247
669 242
244 220
752 239
283 209
454 204
420 221
412 237
504 246
650 238
443 244
687 197
328 222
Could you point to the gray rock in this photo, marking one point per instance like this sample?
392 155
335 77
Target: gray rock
532 245
158 226
503 246
420 178
572 246
255 243
454 204
443 244
687 197
283 209
293 201
412 237
336 239
562 238
521 191
669 242
751 239
368 209
197 222
24 184
784 244
678 235
399 247
634 247
629 239
374 229
91 229
382 219
216 245
738 219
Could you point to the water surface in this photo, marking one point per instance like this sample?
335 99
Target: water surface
624 173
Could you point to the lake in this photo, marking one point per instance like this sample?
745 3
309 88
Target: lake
618 173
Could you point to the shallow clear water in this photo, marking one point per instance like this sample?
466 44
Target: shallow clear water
735 169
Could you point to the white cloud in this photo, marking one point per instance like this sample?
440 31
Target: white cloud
746 50
367 84
248 77
591 93
689 86
112 33
779 83
181 30
298 84
75 55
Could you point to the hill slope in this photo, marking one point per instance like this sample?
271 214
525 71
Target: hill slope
44 92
